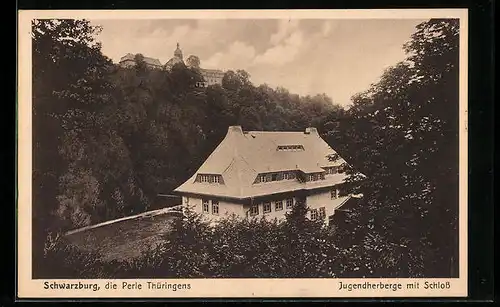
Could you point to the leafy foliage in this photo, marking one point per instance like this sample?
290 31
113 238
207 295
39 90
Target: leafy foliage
402 134
232 248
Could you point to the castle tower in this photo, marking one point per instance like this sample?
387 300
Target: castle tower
177 59
178 52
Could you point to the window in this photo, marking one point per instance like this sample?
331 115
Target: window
269 177
342 168
317 176
209 178
278 176
290 148
215 207
289 203
267 207
314 177
322 213
278 206
254 210
205 206
314 214
331 170
334 193
186 200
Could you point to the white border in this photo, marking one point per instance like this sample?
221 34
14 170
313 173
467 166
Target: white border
29 288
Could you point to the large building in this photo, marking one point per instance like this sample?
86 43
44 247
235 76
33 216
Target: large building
210 76
262 173
128 60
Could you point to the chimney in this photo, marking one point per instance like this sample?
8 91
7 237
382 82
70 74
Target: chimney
234 130
311 130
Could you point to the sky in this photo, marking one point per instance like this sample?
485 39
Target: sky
307 56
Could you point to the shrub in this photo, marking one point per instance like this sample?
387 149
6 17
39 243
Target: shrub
64 260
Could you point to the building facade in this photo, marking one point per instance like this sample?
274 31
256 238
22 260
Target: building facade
210 76
261 173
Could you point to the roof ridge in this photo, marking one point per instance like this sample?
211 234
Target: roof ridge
228 166
244 160
257 131
235 154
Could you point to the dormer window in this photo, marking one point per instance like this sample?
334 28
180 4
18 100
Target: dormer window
315 177
209 178
276 176
290 148
331 170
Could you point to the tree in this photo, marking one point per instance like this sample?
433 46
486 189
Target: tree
402 133
308 248
193 61
65 56
82 168
140 64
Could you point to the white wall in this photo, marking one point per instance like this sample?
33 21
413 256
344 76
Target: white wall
226 208
280 215
323 199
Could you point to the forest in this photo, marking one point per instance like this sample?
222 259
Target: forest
107 140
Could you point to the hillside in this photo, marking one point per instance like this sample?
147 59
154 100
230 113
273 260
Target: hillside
124 240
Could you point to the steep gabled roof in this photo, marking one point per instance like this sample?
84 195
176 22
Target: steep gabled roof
148 60
241 156
128 56
175 60
152 61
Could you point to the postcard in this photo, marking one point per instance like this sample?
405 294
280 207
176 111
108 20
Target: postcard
242 153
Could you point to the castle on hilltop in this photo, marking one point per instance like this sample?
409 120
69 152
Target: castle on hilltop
210 76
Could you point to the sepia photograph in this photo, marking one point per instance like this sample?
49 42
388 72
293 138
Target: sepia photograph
238 148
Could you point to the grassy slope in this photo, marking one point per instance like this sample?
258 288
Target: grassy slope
123 240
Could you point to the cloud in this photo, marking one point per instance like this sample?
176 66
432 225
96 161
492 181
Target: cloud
285 27
338 57
237 56
283 53
179 33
